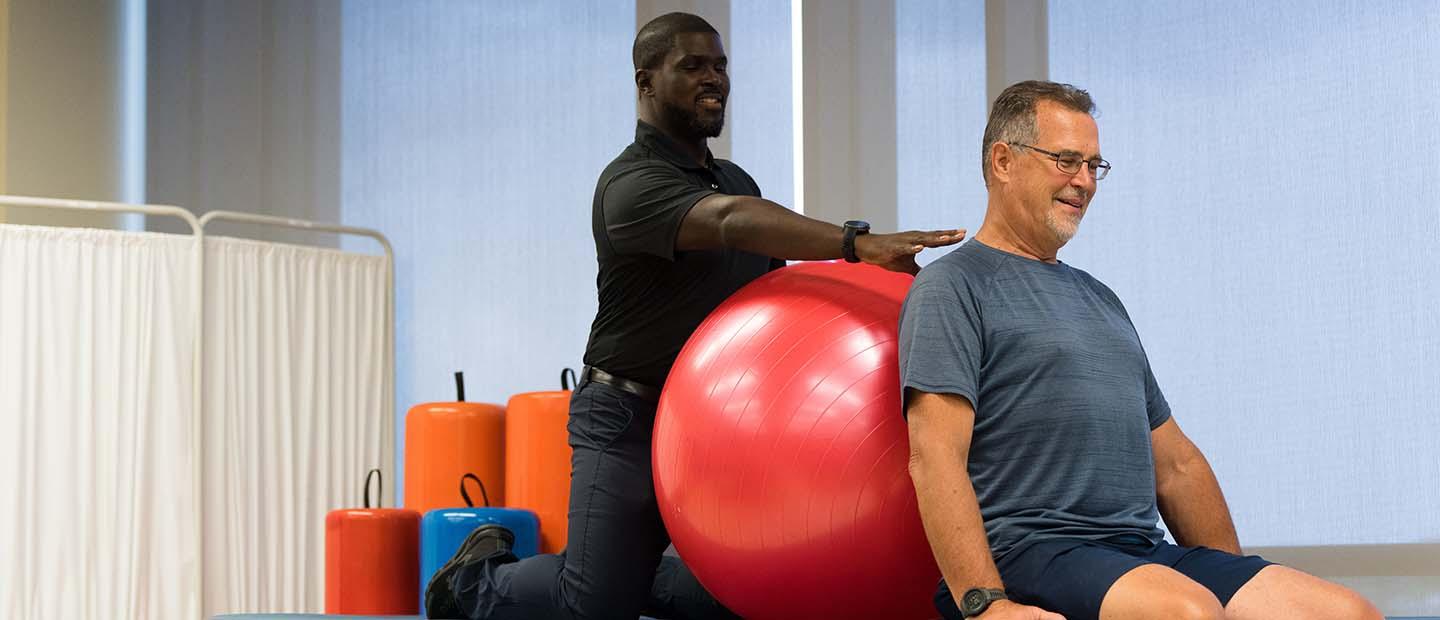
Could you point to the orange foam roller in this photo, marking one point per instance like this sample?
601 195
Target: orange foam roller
372 560
445 441
537 461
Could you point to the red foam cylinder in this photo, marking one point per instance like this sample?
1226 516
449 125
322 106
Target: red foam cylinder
372 561
445 441
537 462
781 455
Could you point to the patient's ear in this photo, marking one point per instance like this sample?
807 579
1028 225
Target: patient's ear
1002 161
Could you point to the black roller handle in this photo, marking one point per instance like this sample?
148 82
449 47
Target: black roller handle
466 494
380 488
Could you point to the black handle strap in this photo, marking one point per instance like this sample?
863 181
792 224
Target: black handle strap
567 379
466 494
459 386
380 490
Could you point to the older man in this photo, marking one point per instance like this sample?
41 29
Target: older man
1042 449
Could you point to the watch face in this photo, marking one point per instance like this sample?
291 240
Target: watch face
974 599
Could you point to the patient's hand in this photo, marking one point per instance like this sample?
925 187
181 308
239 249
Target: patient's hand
1010 610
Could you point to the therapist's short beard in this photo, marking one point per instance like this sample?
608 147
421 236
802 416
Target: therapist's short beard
702 127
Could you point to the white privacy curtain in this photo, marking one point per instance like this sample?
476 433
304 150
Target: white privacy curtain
295 406
96 346
98 511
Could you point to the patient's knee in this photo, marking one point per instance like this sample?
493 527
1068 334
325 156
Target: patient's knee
1351 605
1190 606
1154 592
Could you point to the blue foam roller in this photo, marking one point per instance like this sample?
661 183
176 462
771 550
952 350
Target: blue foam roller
443 529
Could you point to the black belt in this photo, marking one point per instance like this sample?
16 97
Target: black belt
624 385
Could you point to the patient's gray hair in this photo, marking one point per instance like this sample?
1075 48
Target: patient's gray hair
1012 116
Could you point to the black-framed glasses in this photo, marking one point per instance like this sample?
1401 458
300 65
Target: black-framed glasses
1069 163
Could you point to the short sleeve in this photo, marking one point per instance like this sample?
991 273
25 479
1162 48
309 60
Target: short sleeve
940 336
643 208
1156 407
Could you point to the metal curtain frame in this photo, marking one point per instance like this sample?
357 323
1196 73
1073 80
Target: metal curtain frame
197 298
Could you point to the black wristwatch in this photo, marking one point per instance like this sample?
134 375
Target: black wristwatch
847 245
977 600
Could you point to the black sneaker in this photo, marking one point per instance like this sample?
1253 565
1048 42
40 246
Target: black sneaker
488 541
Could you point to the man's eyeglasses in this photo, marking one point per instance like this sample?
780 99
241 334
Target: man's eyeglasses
1069 163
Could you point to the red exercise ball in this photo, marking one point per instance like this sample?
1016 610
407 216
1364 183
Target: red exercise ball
781 455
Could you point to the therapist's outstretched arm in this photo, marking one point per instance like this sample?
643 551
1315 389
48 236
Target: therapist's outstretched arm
763 227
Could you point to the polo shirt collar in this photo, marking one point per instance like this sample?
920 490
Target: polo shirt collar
667 149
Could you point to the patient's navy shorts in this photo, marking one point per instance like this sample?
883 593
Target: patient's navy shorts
1070 577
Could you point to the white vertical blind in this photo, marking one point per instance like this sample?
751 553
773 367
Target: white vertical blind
760 105
243 111
473 134
940 111
1271 225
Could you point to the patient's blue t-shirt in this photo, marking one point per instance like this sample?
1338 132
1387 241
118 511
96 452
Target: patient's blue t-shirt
1063 394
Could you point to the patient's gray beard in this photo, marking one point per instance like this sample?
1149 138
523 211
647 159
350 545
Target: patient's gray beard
1064 228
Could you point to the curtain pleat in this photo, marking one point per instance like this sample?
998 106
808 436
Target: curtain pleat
96 344
295 414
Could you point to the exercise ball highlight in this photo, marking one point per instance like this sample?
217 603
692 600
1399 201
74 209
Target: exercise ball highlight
781 453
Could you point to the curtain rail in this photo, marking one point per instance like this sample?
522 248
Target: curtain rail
95 205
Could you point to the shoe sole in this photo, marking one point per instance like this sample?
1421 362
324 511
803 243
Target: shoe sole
442 576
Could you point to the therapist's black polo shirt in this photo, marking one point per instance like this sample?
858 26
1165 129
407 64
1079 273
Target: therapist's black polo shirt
652 297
